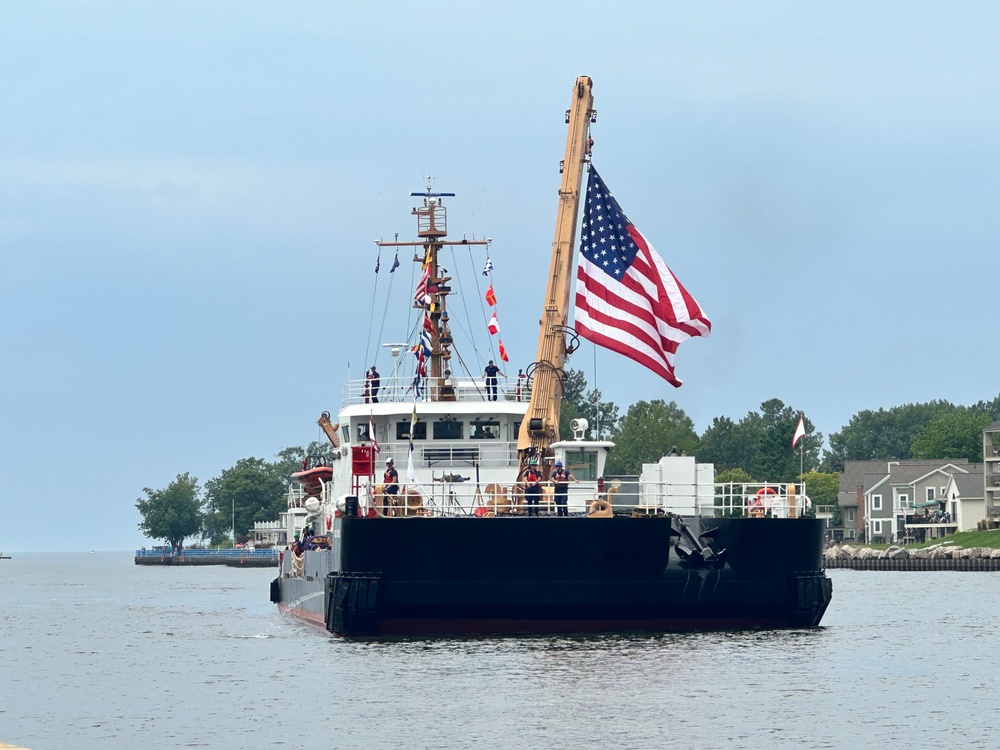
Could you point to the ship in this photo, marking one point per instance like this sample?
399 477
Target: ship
423 517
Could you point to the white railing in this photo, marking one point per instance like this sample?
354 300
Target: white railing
394 389
466 498
443 454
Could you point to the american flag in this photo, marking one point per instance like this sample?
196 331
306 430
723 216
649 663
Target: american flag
627 300
420 295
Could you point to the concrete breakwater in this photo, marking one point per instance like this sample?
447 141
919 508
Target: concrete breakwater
238 558
945 556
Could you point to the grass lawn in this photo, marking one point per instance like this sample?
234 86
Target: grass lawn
965 539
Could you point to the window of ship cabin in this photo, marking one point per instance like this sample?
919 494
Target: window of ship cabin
485 429
403 430
582 465
448 429
363 436
345 430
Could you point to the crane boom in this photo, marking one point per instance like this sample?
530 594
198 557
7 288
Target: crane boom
540 427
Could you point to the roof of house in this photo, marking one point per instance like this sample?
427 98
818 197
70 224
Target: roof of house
869 474
969 485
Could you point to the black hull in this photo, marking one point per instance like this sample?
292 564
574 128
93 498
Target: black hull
561 575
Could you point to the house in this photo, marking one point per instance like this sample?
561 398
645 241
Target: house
904 500
991 470
965 501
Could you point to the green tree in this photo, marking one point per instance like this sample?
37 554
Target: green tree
648 431
886 434
761 443
172 514
252 490
578 402
955 435
289 460
989 407
726 445
822 489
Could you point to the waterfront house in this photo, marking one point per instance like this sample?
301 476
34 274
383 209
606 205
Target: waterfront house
991 470
904 500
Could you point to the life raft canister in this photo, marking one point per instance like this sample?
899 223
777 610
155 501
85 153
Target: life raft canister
758 500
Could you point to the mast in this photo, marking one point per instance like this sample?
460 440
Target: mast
540 427
432 227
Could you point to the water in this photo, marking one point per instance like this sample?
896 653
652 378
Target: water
96 652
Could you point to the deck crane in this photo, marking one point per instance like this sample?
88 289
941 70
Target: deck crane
540 428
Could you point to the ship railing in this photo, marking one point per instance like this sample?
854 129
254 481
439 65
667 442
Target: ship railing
760 500
296 496
446 497
441 454
393 389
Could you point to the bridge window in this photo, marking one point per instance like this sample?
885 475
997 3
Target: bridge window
485 429
403 430
582 465
448 429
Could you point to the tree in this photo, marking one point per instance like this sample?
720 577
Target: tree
173 513
648 431
955 435
252 490
822 489
577 403
726 445
289 460
989 407
761 443
886 434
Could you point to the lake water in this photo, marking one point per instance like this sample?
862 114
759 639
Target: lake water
96 652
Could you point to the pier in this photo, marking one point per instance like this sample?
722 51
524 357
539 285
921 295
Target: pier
237 558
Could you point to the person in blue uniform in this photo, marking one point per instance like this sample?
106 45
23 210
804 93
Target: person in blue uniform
490 373
374 382
561 479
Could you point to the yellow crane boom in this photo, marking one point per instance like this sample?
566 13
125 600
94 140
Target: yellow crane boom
540 427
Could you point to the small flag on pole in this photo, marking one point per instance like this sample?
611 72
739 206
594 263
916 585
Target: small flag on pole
395 263
491 298
494 325
488 268
371 434
411 475
800 432
503 355
378 260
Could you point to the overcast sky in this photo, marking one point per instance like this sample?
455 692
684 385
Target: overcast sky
189 192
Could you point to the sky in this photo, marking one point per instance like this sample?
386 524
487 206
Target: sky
189 194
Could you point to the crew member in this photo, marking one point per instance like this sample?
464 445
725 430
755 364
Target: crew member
520 378
490 373
390 483
374 381
532 490
561 478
